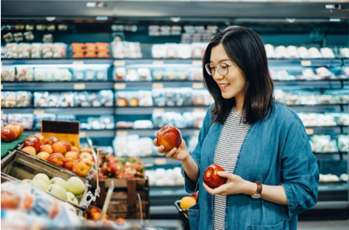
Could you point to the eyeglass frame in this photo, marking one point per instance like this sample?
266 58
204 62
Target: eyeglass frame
207 65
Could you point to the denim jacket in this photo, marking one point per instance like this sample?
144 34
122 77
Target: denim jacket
276 151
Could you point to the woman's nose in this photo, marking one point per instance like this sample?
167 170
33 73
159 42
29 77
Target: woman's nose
217 75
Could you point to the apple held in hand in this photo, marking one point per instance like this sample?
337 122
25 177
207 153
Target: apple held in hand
33 141
170 137
211 177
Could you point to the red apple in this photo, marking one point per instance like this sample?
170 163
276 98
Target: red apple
211 177
29 149
33 141
20 127
67 145
42 139
68 163
46 148
7 135
80 169
72 155
43 155
51 140
16 128
86 155
170 137
59 147
56 159
75 149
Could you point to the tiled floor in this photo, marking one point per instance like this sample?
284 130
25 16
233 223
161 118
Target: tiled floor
324 225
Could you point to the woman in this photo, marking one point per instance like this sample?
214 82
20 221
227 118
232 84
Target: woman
271 171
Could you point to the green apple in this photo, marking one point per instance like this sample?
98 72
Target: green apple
57 191
75 185
59 181
39 184
43 177
71 198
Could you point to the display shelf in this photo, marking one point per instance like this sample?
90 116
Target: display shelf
61 110
158 161
69 62
326 129
332 156
151 109
83 133
58 86
320 108
152 132
312 84
328 62
333 187
346 62
136 85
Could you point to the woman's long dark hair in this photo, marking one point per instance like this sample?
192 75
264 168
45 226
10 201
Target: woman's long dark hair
245 48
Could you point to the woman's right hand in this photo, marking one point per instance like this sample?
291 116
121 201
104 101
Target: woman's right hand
178 154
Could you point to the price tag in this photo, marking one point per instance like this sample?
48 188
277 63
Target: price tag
160 161
158 62
82 134
120 86
197 63
121 133
158 85
158 110
196 132
79 86
2 87
2 112
119 63
306 63
36 112
309 131
78 62
198 85
198 110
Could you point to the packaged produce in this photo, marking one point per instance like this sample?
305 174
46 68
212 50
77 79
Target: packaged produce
40 99
10 99
66 99
23 99
8 73
24 73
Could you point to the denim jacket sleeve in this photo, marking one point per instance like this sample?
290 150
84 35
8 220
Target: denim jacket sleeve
300 171
190 186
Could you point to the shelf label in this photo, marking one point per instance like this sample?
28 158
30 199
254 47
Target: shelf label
196 132
197 63
309 131
2 86
2 112
306 63
38 111
199 110
158 110
160 161
167 192
78 62
119 63
158 62
120 86
198 85
79 86
82 134
121 133
158 85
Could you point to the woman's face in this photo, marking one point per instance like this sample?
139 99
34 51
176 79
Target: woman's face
228 76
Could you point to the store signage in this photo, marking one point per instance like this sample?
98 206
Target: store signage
63 130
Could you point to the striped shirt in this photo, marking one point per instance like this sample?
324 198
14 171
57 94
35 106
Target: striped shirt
227 150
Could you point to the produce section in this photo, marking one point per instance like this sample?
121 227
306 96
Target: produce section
123 81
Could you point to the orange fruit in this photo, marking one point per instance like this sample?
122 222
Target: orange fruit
187 202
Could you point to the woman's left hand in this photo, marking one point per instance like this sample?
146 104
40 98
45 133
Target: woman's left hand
234 185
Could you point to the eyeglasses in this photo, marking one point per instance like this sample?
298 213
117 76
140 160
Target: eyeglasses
222 69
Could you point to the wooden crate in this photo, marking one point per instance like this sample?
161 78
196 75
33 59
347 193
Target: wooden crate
124 201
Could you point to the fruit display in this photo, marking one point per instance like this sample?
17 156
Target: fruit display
11 132
211 177
70 190
120 167
169 137
90 50
60 153
35 50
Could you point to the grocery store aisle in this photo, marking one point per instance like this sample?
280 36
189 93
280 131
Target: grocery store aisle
324 225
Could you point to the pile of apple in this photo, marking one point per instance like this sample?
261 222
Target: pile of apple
60 153
11 132
66 190
121 167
